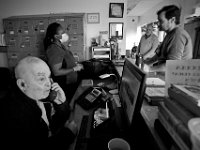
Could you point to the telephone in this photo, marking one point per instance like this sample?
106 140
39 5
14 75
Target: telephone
51 97
92 95
52 94
90 98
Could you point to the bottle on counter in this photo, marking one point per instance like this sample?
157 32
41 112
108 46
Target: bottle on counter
139 61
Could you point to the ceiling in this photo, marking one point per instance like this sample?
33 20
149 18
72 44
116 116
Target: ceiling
139 7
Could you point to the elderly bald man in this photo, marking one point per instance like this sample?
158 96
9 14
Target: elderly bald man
148 43
27 120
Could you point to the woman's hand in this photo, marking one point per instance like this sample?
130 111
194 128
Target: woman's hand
60 98
78 67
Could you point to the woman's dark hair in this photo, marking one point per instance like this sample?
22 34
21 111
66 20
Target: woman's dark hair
171 11
52 30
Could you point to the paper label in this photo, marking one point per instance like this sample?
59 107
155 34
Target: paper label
182 72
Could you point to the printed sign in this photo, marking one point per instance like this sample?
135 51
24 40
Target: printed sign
182 72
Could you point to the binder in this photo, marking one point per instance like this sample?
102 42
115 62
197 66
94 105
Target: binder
184 98
175 127
179 111
178 140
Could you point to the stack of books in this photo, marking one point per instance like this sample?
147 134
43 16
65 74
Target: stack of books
155 90
176 111
186 95
175 127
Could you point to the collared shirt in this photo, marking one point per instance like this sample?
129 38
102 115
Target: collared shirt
177 45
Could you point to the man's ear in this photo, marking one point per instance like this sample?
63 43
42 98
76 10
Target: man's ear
173 19
21 84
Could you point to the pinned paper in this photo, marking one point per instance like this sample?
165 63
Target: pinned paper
182 72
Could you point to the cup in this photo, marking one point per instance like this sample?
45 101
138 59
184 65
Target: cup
194 128
118 144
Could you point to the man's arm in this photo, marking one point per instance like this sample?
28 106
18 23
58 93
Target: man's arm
59 71
176 47
151 60
158 67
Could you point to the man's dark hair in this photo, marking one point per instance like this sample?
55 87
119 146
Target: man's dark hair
171 11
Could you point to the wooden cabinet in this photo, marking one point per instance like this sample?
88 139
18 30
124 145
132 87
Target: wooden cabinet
193 28
24 35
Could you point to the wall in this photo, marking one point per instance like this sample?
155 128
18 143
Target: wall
151 15
34 7
186 6
131 36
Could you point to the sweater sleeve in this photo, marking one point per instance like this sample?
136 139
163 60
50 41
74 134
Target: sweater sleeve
176 47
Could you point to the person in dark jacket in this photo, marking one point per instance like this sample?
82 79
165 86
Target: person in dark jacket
60 59
28 118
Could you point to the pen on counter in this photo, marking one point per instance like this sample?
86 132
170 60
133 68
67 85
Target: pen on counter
107 115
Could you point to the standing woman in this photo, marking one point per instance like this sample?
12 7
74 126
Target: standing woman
61 59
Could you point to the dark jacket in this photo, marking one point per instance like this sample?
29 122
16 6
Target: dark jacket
22 126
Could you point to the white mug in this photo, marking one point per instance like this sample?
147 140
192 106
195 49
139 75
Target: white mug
194 128
118 144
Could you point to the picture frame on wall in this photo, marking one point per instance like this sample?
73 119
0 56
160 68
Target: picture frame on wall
116 30
93 18
116 10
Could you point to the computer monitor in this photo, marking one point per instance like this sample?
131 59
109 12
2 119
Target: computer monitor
132 90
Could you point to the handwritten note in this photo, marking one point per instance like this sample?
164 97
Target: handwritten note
182 72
